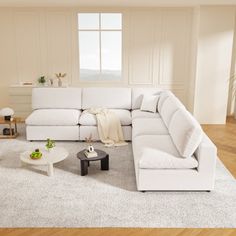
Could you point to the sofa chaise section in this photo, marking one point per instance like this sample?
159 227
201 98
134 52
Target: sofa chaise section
162 148
168 171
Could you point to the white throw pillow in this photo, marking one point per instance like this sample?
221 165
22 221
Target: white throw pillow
185 132
149 103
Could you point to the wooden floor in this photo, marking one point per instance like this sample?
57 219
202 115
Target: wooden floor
117 232
224 136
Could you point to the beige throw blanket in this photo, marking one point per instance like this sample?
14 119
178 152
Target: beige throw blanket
109 127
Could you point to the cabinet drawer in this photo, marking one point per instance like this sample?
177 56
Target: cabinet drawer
20 91
17 99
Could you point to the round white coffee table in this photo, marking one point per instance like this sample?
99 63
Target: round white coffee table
48 158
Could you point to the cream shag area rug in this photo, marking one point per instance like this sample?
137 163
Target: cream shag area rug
29 198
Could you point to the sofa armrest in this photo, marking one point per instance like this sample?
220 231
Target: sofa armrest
206 155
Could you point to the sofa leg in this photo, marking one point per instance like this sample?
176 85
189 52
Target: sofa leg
208 191
143 191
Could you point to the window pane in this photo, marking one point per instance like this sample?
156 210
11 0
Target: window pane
111 48
88 20
111 20
89 55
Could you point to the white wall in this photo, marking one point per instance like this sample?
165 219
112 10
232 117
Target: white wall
216 30
42 41
159 49
34 42
7 56
231 109
186 50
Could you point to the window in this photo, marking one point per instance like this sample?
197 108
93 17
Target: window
100 46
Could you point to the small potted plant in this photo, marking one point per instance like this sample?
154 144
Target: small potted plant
42 80
59 77
50 144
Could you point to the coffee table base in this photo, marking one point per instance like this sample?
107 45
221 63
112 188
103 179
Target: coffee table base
84 164
50 169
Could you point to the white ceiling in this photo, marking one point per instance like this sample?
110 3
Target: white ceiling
124 3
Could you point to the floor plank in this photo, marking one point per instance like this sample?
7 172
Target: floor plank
116 232
224 137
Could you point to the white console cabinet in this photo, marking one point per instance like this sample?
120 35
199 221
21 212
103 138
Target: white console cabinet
20 99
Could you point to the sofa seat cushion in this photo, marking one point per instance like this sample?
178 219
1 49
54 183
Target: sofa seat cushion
159 152
144 114
149 126
53 117
89 119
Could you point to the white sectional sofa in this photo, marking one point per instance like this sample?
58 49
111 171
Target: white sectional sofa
171 152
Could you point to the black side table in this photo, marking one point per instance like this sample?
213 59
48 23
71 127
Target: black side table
84 161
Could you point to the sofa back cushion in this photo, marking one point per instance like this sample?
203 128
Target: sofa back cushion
185 132
116 98
163 96
65 98
170 105
139 93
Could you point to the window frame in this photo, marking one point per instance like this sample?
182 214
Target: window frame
100 30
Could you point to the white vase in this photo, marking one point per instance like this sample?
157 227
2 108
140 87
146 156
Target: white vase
59 82
50 82
90 148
